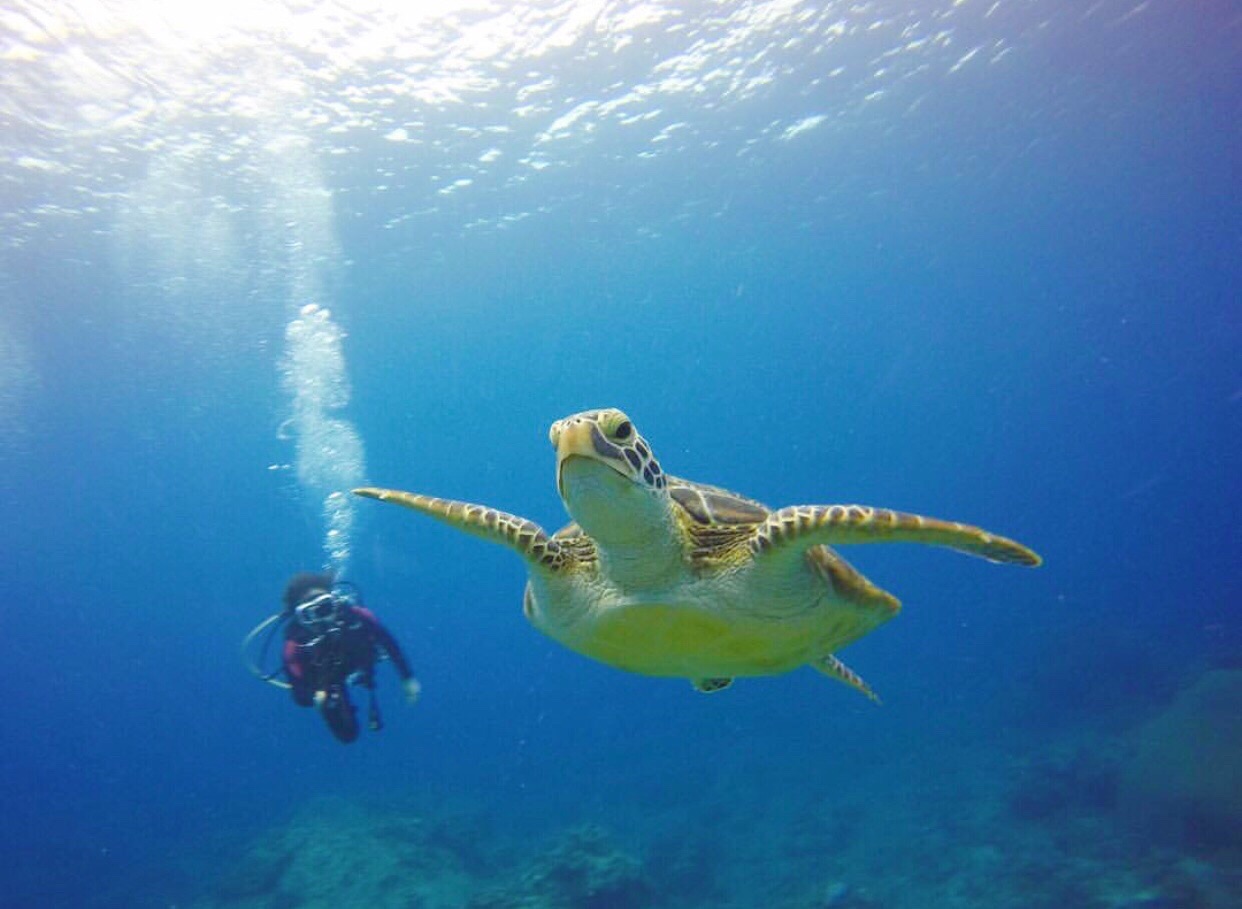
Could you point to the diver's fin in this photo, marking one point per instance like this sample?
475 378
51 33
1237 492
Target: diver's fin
835 669
798 527
707 686
525 537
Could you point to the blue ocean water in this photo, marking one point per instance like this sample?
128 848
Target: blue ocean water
977 260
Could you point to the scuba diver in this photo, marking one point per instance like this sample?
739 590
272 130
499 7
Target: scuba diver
331 640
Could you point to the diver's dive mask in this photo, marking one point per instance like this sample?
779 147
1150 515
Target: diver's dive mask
327 609
321 611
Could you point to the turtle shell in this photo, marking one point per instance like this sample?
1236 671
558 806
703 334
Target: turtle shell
711 506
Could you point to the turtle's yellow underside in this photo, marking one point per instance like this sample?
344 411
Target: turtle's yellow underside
690 642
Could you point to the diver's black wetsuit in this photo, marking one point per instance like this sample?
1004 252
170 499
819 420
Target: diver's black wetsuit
325 661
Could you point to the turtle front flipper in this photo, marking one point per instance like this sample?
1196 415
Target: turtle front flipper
525 537
795 528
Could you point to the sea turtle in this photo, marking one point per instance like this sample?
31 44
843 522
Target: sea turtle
666 577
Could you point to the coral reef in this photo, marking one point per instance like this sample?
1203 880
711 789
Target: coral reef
1047 826
582 869
334 854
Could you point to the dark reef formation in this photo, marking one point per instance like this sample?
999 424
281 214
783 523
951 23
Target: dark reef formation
1184 779
1065 780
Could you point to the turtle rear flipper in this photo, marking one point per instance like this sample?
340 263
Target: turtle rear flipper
835 669
851 584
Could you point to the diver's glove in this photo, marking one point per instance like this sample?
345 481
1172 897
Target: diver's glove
412 689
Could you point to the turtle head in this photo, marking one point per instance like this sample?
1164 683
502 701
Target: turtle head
609 480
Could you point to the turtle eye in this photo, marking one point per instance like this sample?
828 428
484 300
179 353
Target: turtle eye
624 430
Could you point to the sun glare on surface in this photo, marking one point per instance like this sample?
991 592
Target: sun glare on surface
198 20
473 100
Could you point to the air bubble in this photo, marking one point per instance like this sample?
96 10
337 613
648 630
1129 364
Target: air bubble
329 456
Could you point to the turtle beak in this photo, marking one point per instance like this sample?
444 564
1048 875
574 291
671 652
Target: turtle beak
579 438
572 439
